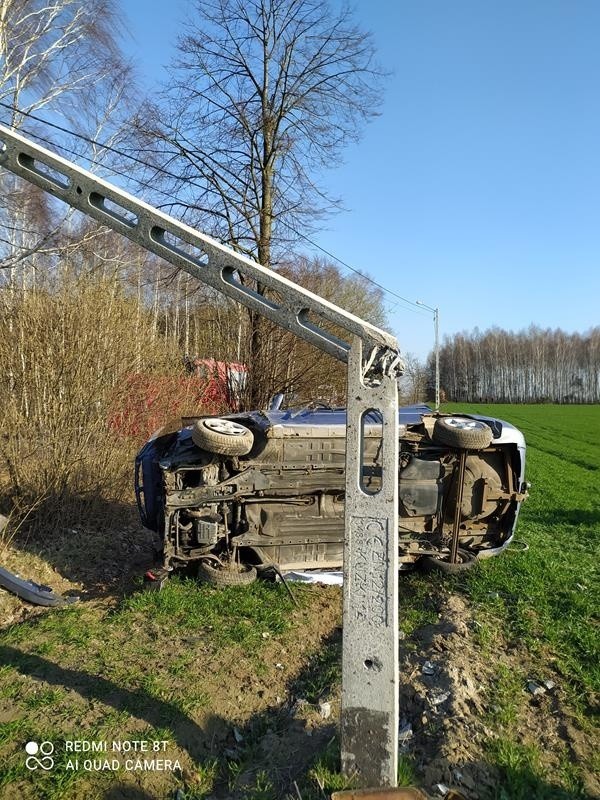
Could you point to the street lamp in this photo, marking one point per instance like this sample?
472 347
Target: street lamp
436 324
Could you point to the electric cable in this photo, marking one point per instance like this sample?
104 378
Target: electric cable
411 305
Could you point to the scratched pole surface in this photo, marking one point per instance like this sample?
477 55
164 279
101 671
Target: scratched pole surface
369 719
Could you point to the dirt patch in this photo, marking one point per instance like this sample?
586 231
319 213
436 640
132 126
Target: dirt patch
447 696
443 700
84 561
273 716
447 690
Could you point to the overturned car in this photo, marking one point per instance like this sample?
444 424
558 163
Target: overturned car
237 493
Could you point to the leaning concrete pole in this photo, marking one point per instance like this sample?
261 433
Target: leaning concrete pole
369 729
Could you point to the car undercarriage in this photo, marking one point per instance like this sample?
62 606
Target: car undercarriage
267 488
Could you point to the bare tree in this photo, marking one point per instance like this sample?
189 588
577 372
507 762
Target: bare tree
263 97
288 363
413 386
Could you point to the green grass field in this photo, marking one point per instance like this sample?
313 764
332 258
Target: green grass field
545 601
548 596
152 666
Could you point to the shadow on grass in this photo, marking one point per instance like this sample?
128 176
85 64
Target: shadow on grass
272 754
272 750
157 713
520 781
564 516
101 545
122 791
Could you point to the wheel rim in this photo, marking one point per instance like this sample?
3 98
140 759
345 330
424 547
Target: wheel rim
225 426
461 424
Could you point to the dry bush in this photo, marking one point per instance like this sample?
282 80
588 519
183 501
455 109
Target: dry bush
145 401
91 364
64 355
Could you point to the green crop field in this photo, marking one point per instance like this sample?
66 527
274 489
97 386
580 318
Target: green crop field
545 601
233 681
548 597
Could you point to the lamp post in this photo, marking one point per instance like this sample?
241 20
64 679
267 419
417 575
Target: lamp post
436 325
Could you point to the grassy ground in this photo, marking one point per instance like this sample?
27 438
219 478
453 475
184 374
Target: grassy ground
547 598
234 682
148 670
544 602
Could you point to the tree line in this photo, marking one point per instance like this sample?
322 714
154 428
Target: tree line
532 366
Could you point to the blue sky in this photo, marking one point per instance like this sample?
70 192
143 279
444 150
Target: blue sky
477 190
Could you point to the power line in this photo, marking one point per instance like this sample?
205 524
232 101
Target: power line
163 171
114 171
411 305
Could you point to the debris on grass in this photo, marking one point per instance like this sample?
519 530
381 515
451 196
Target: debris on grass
535 689
405 733
436 698
237 735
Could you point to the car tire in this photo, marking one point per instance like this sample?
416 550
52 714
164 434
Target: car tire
466 561
222 436
462 432
221 577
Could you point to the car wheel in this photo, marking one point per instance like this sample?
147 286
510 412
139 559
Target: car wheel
222 436
240 575
466 560
462 432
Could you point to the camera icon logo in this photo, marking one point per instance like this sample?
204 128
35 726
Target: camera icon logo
39 756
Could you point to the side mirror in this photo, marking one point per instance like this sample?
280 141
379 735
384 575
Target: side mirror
276 401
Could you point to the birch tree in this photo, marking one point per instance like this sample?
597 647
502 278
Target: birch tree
531 366
59 56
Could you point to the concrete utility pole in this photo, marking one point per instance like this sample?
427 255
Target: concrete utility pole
370 714
436 320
